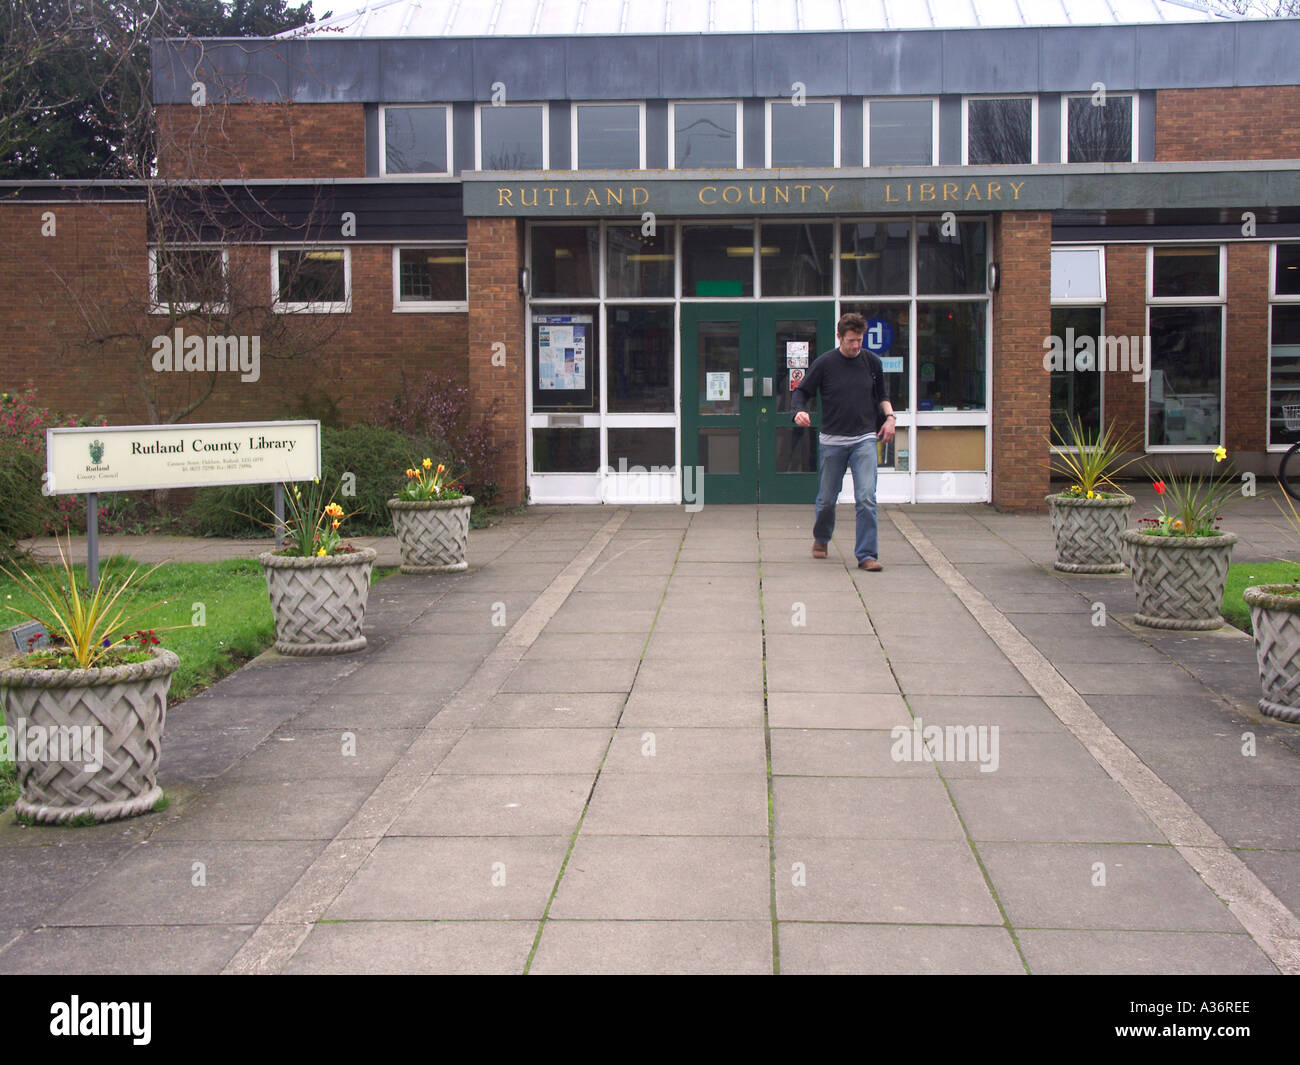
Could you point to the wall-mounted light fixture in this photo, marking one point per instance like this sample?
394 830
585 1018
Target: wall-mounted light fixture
995 276
524 278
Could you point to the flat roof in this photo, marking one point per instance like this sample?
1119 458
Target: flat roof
527 18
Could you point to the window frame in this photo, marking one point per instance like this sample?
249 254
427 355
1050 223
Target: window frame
934 126
1065 123
1191 301
836 108
575 162
1275 300
156 306
333 307
401 306
672 133
479 108
1080 301
414 174
1033 125
1220 301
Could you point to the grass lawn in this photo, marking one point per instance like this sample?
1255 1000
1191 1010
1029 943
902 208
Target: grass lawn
229 598
1243 575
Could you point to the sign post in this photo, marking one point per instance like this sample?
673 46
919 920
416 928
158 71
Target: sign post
136 458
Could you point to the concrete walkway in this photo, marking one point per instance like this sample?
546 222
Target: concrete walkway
645 740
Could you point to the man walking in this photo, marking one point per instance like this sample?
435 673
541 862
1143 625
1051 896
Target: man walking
851 383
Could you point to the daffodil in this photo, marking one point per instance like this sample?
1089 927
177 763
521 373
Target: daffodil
1220 453
428 464
321 553
1092 495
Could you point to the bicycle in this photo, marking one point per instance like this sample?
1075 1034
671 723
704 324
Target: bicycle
1290 415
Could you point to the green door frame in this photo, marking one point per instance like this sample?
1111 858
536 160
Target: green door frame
744 433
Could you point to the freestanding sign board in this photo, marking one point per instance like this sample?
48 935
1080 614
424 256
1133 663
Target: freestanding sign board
87 460
134 458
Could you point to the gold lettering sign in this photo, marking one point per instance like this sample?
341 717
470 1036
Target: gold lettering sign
927 191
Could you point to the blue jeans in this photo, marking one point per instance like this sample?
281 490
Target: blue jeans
861 459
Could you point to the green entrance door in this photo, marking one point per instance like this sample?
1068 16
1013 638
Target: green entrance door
739 362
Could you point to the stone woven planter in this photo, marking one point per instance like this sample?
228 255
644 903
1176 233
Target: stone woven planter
105 725
1179 580
319 603
1275 618
432 533
1087 532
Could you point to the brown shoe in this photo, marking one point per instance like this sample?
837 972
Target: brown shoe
870 565
819 549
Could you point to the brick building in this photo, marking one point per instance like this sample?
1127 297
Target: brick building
633 225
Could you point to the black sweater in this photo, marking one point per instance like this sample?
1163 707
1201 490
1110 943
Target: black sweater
851 391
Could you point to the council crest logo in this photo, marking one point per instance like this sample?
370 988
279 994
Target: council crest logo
96 451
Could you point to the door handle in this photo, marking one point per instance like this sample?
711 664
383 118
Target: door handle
767 386
749 388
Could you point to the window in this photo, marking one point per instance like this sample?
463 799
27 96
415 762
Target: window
512 137
951 262
565 261
318 280
901 132
641 359
430 279
1078 290
1185 323
415 140
875 258
639 265
188 279
1100 128
717 261
805 134
1001 131
795 259
705 135
1078 275
950 342
1284 341
608 137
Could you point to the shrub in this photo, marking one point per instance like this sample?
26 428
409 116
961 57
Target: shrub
376 456
26 512
439 410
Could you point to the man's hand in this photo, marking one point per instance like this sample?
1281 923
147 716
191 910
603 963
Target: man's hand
886 433
801 419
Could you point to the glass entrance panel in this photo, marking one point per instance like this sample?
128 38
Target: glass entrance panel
719 371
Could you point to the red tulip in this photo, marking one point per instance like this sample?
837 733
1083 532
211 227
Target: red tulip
1159 486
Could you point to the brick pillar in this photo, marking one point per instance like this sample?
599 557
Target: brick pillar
1022 392
1245 415
496 316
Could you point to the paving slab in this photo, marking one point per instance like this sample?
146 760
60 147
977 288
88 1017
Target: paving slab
864 808
658 948
567 675
897 950
693 709
1058 885
1054 951
127 951
501 804
835 710
667 803
840 753
190 883
880 881
552 710
360 755
1011 713
410 948
499 878
687 750
266 810
1091 810
528 750
668 878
